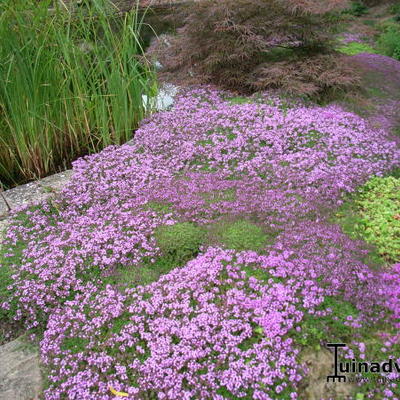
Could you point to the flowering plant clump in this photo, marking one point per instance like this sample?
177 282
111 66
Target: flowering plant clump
216 328
228 323
204 331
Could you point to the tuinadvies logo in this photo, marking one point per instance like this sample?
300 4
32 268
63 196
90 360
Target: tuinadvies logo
357 367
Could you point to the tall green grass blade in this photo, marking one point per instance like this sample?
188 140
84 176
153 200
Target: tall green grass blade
71 83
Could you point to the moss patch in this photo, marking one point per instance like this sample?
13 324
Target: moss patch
353 48
179 242
240 235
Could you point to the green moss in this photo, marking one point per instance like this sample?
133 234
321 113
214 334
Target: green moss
354 48
240 235
239 100
160 208
134 275
261 274
179 242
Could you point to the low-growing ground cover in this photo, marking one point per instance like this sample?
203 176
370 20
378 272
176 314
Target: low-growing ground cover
224 208
374 215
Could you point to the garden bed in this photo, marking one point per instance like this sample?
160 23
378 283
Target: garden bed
216 254
207 241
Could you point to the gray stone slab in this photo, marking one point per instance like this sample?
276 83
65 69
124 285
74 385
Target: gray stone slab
30 193
20 376
34 191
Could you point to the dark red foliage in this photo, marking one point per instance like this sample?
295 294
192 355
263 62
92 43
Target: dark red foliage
257 44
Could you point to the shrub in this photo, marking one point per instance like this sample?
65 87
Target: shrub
252 45
71 83
389 42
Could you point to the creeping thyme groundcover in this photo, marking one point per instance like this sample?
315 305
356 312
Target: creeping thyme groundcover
230 322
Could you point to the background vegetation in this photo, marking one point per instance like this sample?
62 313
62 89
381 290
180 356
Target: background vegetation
71 82
251 45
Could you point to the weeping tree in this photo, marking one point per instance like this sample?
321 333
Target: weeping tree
253 45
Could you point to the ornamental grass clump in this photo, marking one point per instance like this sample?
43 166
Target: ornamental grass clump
253 45
71 83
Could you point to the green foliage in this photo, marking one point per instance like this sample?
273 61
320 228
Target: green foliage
7 323
242 235
389 42
7 264
354 48
369 22
379 207
357 9
179 242
5 280
328 328
239 100
376 92
75 345
134 275
396 53
159 208
383 26
373 214
395 9
71 83
261 274
148 272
